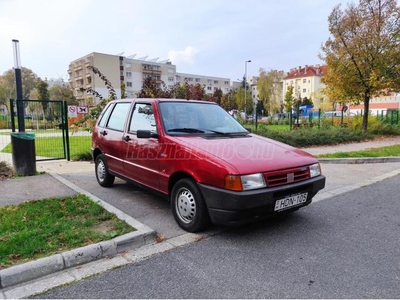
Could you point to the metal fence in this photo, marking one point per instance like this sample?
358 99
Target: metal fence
56 136
48 121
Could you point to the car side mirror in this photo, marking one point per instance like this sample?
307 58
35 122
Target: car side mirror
248 129
146 134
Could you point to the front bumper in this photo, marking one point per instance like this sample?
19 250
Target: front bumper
234 208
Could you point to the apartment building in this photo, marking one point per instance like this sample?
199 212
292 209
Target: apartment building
378 105
306 81
209 83
130 71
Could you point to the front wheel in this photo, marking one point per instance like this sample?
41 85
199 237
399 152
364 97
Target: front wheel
188 206
104 178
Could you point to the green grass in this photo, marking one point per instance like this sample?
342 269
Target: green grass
373 152
53 146
41 228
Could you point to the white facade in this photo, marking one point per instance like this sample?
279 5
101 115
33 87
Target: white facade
131 72
306 81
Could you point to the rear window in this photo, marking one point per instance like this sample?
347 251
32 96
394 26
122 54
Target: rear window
104 116
118 116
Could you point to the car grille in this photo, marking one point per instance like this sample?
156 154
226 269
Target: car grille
282 177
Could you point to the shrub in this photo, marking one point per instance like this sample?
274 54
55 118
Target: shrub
315 137
5 170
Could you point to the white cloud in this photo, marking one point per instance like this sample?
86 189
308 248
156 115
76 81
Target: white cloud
187 56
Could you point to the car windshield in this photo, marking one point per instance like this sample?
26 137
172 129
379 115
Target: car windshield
198 118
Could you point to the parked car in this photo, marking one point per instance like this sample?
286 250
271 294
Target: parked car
202 160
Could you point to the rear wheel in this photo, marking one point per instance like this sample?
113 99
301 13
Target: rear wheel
104 178
188 206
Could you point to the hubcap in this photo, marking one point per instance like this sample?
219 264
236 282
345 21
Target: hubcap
101 170
186 206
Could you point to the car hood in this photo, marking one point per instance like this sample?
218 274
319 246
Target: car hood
249 154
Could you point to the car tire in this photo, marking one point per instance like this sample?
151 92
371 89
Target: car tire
188 206
104 178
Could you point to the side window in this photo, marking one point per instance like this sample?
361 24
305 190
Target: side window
104 116
118 116
143 118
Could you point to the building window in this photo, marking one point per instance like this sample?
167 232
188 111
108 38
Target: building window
226 82
215 81
129 84
209 81
178 78
190 79
197 79
128 74
209 88
304 90
304 80
171 79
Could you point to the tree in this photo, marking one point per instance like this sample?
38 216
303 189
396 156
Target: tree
307 101
152 89
217 96
7 81
363 55
270 90
43 94
61 92
289 101
123 91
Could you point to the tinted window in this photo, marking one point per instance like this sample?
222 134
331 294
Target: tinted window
143 118
118 116
104 116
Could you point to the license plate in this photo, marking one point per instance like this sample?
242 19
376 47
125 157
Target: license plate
290 201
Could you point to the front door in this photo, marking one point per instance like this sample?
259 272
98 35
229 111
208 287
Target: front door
141 162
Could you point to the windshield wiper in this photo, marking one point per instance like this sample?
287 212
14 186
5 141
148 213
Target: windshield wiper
227 133
190 130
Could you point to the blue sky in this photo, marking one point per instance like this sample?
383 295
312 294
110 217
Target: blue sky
205 37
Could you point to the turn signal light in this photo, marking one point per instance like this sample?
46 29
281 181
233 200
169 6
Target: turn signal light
233 183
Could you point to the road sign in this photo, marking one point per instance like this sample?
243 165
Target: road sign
72 111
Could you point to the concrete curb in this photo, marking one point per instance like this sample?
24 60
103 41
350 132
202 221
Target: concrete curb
35 269
365 160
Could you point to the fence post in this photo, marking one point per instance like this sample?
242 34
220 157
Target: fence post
319 118
64 108
12 115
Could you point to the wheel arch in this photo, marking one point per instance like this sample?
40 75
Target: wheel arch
174 178
96 152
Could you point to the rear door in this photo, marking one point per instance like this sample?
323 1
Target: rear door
111 136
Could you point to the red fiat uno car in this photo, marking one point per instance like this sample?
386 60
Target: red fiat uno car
202 160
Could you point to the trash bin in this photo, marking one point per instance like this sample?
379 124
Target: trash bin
23 153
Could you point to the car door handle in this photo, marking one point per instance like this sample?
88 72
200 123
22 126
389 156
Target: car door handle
103 132
126 138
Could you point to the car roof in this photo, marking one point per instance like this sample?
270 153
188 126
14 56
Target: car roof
152 100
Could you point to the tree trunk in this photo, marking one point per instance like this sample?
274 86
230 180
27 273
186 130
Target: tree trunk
366 113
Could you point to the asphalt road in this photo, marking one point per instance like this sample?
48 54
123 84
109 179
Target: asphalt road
347 246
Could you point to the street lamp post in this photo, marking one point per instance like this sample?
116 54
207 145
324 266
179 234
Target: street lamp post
18 86
245 87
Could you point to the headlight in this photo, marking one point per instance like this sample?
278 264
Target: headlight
315 170
253 181
245 182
